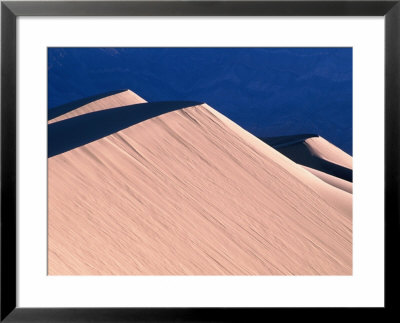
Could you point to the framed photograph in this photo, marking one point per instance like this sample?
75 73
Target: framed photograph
197 160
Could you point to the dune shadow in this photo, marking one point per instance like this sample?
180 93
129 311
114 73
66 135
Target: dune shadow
81 130
296 150
65 108
283 141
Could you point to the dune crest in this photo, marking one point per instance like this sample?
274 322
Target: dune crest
118 99
189 192
324 149
318 156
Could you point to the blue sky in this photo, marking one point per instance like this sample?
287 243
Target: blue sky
268 91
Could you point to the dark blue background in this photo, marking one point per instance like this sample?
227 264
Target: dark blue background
268 91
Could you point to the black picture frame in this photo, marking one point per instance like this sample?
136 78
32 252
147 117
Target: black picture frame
10 10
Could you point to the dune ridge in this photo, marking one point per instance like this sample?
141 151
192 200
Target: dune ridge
101 102
318 156
189 192
324 149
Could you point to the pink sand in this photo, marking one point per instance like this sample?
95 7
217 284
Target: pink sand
191 193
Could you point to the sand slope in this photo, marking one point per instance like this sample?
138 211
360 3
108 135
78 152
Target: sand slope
189 192
332 180
117 99
324 149
317 155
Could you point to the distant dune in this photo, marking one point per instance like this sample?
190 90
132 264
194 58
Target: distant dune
318 156
183 190
95 103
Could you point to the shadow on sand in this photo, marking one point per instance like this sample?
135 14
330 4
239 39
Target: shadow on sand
65 108
294 148
81 130
282 141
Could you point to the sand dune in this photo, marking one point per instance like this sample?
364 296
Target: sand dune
97 103
332 180
318 156
325 150
86 127
189 192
